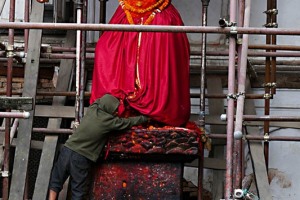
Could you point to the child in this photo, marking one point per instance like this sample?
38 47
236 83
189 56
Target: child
85 145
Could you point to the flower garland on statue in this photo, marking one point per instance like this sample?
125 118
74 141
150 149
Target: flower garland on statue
130 9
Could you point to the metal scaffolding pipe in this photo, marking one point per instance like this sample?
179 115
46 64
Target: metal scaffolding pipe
269 118
83 60
257 137
9 49
149 28
230 104
205 4
24 115
264 118
273 42
78 5
258 46
275 47
48 131
242 67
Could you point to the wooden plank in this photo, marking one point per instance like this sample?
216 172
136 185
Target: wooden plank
209 163
216 107
257 153
55 111
51 142
20 166
16 103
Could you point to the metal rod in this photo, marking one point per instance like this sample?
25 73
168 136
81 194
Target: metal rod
230 104
267 90
48 131
261 46
208 53
149 28
273 42
275 47
78 5
268 118
6 157
258 137
26 19
82 64
205 4
24 115
244 18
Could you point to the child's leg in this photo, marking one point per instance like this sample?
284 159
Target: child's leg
79 171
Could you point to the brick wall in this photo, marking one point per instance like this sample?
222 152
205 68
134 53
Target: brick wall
43 85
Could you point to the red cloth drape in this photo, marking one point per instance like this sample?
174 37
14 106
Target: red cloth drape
161 62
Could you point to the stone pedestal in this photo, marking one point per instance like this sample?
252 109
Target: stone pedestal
144 164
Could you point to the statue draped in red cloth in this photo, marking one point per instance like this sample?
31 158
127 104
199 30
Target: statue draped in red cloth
148 71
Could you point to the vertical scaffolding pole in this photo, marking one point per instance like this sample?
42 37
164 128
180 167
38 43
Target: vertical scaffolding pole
83 59
230 102
78 101
26 19
205 4
267 87
238 144
274 42
9 49
241 97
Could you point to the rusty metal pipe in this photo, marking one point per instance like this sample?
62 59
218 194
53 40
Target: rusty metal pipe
48 131
102 16
79 6
257 137
149 28
26 19
24 115
275 47
270 47
205 4
230 105
273 42
6 157
267 90
83 60
265 118
242 67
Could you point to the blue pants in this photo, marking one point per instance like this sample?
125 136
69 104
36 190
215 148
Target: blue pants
76 166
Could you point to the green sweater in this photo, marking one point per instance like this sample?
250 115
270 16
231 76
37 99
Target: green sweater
91 135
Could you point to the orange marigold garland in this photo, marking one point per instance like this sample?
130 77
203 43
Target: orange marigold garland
130 9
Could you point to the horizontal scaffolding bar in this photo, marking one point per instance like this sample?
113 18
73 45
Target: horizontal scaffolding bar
24 115
149 28
258 137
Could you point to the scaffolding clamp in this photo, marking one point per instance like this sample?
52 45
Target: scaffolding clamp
10 51
231 96
4 174
233 28
268 96
266 137
240 94
270 85
271 11
271 25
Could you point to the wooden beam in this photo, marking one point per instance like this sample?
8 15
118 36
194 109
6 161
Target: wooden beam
20 166
16 103
210 163
51 142
216 107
